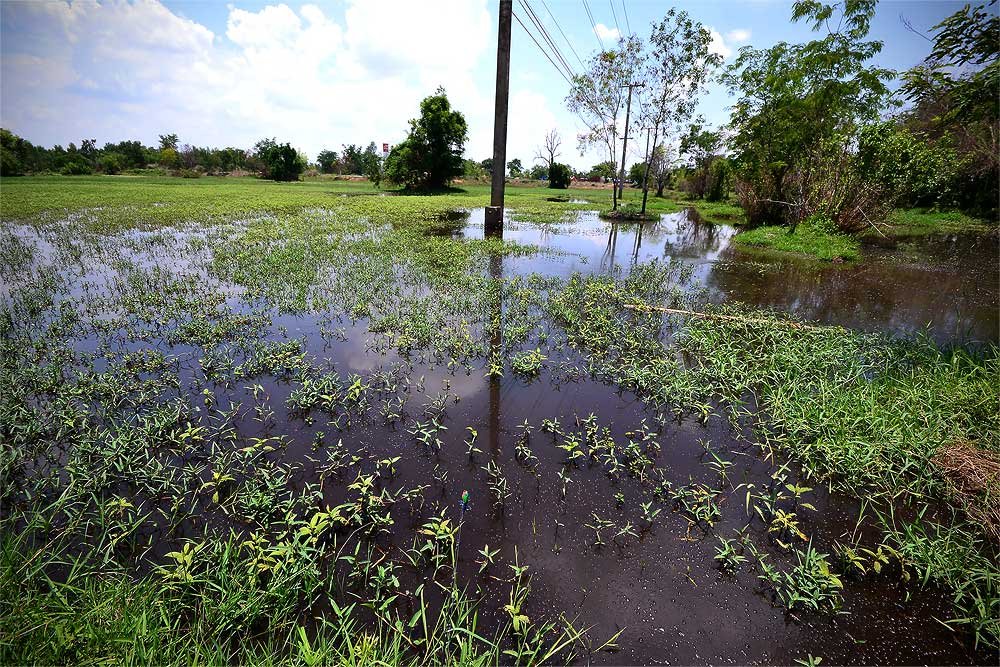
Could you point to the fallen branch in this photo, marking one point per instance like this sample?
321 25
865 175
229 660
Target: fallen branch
720 316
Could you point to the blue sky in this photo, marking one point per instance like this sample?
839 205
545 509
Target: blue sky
324 73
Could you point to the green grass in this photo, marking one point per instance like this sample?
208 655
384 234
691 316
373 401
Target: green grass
805 239
920 222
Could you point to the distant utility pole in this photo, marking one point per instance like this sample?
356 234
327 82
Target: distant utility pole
628 110
494 212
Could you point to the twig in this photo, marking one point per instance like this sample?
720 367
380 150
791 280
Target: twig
871 223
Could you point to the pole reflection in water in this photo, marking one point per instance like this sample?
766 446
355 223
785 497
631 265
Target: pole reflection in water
496 273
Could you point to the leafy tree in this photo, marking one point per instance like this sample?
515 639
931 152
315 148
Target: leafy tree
473 171
637 174
717 179
702 148
954 98
603 170
798 111
560 175
353 159
280 162
371 164
431 155
538 172
598 97
170 158
678 67
327 161
168 141
11 150
487 166
514 168
660 168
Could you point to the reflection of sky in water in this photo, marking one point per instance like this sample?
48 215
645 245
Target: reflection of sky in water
950 288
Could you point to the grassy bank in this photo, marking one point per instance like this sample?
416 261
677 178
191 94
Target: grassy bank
921 222
805 239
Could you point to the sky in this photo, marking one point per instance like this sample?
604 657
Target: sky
321 74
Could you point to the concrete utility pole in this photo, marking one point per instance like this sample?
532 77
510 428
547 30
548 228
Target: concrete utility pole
494 212
628 110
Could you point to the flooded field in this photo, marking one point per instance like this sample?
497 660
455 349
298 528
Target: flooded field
269 422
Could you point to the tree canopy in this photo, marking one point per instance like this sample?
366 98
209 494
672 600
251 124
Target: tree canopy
431 156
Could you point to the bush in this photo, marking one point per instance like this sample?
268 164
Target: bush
111 163
559 176
914 171
76 167
280 162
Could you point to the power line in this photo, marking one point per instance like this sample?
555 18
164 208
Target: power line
613 13
544 52
559 27
600 44
552 60
544 33
625 12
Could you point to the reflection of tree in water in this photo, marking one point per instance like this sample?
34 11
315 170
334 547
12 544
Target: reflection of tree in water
449 223
686 233
958 300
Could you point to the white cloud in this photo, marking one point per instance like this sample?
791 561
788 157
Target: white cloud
136 69
606 34
718 44
738 36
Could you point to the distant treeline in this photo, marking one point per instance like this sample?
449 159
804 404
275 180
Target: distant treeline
18 156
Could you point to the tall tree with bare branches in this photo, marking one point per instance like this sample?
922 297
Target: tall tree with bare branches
549 150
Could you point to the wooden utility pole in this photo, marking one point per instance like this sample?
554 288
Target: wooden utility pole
628 110
494 212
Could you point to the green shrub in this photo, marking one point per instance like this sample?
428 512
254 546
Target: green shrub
281 162
818 236
76 167
559 176
111 163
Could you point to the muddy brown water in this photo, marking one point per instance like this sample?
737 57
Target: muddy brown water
661 589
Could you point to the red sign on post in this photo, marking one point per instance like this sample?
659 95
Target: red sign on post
385 148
